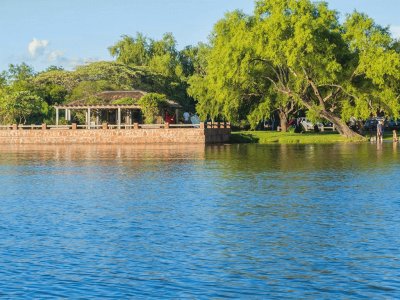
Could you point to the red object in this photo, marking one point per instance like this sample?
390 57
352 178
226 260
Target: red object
169 119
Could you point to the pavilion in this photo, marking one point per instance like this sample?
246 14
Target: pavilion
108 112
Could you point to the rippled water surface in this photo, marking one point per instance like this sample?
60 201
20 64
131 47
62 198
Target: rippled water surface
242 221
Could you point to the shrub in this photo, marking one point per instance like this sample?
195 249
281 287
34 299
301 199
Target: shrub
152 106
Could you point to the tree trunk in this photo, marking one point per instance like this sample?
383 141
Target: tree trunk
284 121
340 125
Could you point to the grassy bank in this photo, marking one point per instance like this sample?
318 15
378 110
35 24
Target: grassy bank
272 137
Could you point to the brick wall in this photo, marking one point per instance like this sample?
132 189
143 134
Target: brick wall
108 136
217 135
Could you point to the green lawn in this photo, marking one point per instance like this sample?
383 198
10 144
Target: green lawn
272 137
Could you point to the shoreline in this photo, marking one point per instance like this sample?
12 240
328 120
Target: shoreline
273 137
132 136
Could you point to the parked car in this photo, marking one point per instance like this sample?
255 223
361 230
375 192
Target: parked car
393 124
370 124
309 126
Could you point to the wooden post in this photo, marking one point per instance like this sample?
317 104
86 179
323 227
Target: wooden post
44 126
166 125
176 116
14 127
135 125
74 126
104 126
202 125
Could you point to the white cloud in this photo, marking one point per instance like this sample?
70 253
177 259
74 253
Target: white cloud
55 56
58 58
72 63
395 31
42 55
37 47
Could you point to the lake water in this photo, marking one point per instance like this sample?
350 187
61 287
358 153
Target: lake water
239 221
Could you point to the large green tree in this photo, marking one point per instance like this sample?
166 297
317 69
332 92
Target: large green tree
297 53
131 50
335 70
230 81
21 107
19 100
165 69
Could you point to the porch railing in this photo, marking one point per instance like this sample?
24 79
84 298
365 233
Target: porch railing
73 126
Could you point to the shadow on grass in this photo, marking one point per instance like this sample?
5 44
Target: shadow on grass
244 138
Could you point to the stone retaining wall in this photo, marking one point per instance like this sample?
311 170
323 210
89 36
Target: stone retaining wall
111 136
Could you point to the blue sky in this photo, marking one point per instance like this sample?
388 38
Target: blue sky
71 32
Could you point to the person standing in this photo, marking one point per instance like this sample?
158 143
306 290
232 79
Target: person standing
395 138
379 132
186 117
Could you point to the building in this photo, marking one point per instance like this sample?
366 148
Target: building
109 109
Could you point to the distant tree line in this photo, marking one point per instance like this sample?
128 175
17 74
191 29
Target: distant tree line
154 66
287 56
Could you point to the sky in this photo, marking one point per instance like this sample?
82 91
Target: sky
71 32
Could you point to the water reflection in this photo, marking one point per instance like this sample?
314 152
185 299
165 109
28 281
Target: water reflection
29 153
307 157
242 221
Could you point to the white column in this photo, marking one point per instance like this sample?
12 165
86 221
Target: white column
57 116
119 118
127 117
88 118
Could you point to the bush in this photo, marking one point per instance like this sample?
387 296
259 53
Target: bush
152 106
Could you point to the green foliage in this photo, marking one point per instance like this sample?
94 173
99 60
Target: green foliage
3 80
159 56
116 74
163 69
228 81
313 114
124 101
21 107
20 72
64 79
87 89
152 105
131 50
298 54
262 111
